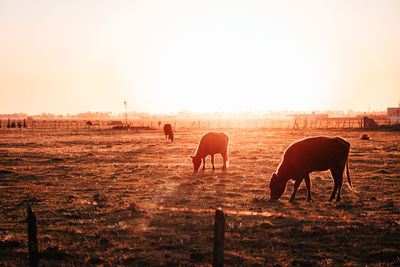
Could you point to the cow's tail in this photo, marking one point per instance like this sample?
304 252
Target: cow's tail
227 150
348 175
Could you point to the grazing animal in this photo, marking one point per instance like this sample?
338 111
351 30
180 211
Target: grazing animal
308 155
168 132
210 144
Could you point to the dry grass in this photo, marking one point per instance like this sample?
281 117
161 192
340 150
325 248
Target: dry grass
81 185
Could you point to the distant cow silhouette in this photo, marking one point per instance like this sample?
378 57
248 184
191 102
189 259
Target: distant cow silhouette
308 155
210 144
168 132
90 123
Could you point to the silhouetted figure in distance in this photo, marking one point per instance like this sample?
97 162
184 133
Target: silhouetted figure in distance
168 132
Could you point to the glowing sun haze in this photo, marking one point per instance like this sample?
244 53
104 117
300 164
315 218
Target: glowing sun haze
167 56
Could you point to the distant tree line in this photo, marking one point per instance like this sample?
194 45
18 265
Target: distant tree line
15 124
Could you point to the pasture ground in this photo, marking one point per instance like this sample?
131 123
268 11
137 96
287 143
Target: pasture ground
83 187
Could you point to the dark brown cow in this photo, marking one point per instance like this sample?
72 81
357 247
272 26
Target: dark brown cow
168 132
308 155
210 144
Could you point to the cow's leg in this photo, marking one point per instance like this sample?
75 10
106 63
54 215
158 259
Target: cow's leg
225 158
336 180
212 162
204 163
339 188
339 175
296 186
308 185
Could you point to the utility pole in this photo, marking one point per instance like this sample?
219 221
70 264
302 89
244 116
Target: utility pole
126 112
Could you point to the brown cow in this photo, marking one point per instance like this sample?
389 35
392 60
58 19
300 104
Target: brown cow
168 132
309 155
210 144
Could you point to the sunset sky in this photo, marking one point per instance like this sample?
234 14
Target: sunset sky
167 56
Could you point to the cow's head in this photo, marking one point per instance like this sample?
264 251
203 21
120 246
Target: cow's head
276 187
196 163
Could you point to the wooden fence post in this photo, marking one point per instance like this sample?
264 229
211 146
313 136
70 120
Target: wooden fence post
32 239
219 233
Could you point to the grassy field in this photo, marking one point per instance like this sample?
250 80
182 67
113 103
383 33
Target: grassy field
96 195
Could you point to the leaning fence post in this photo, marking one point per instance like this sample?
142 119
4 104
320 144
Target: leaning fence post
219 232
32 239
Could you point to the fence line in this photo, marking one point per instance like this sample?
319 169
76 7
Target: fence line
329 123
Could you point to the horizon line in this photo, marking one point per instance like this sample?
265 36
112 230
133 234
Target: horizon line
188 112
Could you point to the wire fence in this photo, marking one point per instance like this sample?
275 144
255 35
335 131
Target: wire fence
329 123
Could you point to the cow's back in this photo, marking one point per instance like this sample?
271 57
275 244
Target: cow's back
212 143
316 153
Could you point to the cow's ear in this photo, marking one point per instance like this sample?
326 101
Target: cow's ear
191 157
274 176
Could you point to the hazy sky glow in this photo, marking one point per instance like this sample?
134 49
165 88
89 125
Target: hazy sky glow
167 56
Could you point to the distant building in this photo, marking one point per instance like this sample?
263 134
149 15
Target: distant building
393 114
